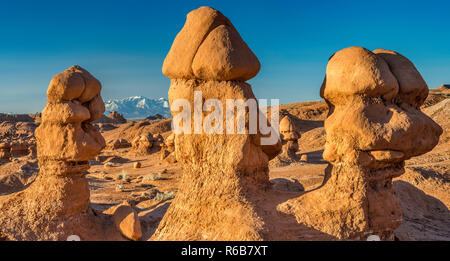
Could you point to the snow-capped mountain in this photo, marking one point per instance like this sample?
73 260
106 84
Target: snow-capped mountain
138 107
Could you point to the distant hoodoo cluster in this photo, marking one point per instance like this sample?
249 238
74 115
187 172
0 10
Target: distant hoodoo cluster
56 204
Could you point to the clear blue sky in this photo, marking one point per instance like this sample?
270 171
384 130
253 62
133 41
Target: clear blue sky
123 43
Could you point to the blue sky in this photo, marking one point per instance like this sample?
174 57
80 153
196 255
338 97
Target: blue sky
123 43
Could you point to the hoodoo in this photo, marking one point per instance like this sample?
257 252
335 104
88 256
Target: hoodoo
289 137
222 173
373 126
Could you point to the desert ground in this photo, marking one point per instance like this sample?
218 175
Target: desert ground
424 189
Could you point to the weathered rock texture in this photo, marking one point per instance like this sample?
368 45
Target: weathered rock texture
209 48
289 137
117 117
222 173
5 151
373 126
127 222
56 205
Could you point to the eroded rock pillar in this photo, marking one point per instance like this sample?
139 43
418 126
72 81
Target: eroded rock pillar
221 172
374 125
56 204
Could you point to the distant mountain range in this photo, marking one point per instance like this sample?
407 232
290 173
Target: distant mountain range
138 107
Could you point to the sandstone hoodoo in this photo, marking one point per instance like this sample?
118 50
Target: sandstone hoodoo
223 174
168 149
56 204
374 125
137 165
289 137
117 117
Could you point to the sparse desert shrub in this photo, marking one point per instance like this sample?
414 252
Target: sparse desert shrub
152 176
163 196
123 176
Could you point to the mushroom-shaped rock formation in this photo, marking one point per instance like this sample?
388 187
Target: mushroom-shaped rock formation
56 204
374 125
223 174
289 137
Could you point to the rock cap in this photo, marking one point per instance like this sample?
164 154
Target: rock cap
208 47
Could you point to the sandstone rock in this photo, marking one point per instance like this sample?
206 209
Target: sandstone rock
77 138
56 204
137 165
289 137
169 143
19 149
209 48
73 84
223 174
127 222
96 108
5 150
283 184
157 137
33 150
374 125
171 158
357 71
120 143
170 140
142 144
164 153
157 116
168 149
412 88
